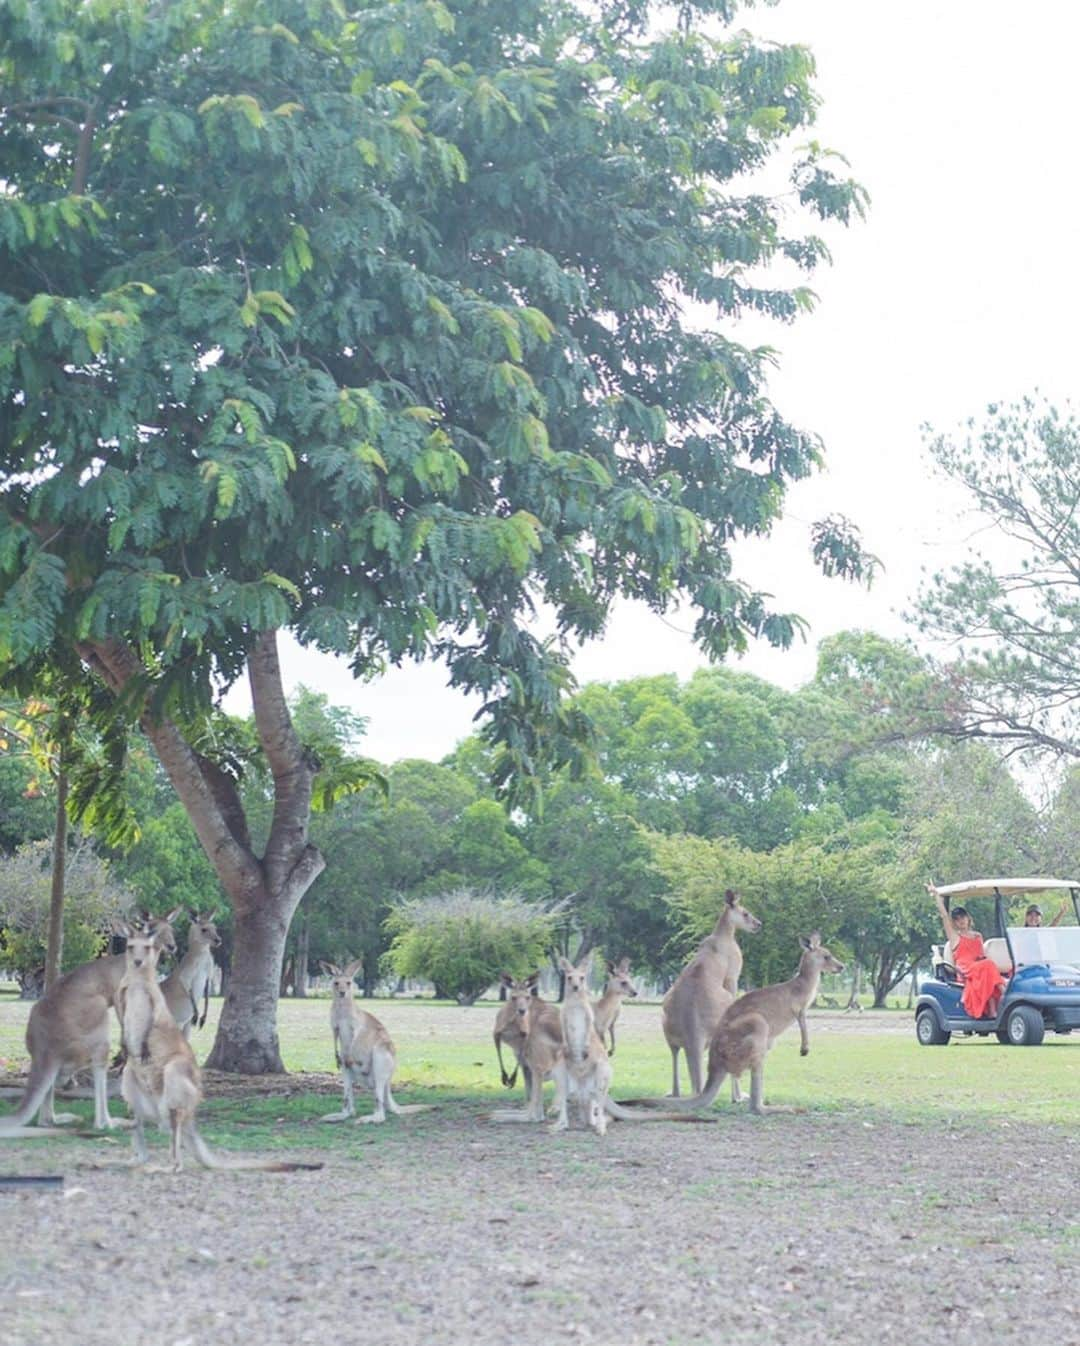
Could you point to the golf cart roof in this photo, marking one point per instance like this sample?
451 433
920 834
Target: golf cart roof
1006 887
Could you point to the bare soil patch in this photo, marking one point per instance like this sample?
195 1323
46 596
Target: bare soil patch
447 1229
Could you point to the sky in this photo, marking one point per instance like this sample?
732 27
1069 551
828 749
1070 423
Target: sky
960 288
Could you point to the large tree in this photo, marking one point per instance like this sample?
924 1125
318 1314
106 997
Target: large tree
374 327
1012 611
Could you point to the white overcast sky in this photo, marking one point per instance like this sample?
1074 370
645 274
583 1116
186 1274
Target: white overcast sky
962 287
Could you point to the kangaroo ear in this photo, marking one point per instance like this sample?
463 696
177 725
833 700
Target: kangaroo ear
585 966
565 964
351 969
172 915
815 940
805 944
328 968
612 969
120 927
531 980
624 966
505 979
730 898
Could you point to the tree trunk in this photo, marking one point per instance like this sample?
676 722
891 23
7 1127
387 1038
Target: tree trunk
55 950
247 1037
264 890
303 956
913 988
856 984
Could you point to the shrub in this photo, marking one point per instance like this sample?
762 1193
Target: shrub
93 898
461 941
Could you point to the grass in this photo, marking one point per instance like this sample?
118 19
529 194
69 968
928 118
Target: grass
870 1067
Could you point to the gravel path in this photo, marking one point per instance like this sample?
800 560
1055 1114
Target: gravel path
447 1229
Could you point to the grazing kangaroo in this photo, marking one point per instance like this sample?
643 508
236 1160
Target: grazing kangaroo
363 1049
68 1029
606 1009
753 1024
161 1081
508 1027
583 1071
703 991
189 981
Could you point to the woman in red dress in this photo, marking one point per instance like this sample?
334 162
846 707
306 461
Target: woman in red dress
983 982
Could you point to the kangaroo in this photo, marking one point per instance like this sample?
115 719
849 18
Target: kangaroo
363 1049
752 1025
509 1032
161 1082
538 1026
606 1009
583 1071
189 981
703 991
69 1029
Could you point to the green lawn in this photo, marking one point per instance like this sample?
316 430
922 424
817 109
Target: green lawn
870 1067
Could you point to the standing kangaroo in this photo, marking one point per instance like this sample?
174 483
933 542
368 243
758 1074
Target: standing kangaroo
583 1072
363 1049
161 1081
68 1029
704 990
538 1027
606 1009
753 1024
189 981
509 1031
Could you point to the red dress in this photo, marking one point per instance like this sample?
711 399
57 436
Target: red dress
983 982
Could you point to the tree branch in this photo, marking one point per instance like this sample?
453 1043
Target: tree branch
236 866
292 767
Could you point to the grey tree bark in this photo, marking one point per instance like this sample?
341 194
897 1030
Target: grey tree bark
54 950
264 890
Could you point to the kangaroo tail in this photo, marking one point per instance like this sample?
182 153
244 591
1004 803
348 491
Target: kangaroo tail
717 1074
622 1114
32 1132
206 1156
42 1078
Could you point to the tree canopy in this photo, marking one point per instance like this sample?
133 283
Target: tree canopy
386 328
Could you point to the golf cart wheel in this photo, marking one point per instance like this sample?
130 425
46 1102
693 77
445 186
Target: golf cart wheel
1024 1027
929 1032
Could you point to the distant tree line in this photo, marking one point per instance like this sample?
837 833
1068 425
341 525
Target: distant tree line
724 780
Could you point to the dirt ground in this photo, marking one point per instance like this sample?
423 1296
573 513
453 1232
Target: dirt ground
444 1228
800 1228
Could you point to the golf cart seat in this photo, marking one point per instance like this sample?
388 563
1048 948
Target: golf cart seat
942 965
998 952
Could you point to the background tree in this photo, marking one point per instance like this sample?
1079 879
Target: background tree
1015 612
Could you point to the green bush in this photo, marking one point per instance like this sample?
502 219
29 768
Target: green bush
461 941
92 898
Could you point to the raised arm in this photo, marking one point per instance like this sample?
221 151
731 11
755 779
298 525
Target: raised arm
1061 912
951 932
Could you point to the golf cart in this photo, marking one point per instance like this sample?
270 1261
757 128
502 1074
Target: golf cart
1040 964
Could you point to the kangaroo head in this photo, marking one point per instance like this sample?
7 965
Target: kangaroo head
521 995
735 915
143 949
204 931
341 978
577 978
816 957
619 978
